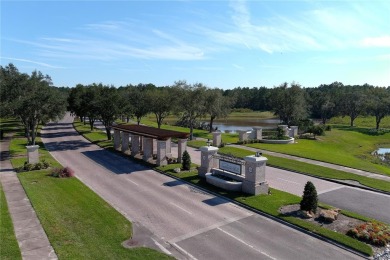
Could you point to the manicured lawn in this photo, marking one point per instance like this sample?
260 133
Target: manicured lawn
345 146
270 205
79 224
9 248
310 169
96 136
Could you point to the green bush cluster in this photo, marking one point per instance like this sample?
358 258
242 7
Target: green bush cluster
250 141
33 166
371 232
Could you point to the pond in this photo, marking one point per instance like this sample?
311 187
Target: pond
382 152
233 125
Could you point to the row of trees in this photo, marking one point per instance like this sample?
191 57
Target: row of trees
30 98
189 102
294 104
33 99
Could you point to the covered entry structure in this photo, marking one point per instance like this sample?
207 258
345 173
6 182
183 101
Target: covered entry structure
143 139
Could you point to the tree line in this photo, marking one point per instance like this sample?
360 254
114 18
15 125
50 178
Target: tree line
33 99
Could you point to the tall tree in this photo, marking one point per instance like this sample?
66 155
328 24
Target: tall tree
217 105
191 103
108 108
138 98
289 103
161 103
34 100
352 103
75 101
378 104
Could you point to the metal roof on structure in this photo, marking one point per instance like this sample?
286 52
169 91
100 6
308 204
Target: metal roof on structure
151 132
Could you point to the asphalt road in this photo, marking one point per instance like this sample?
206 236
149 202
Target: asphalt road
184 221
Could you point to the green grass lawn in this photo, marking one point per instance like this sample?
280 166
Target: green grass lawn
270 205
345 146
96 136
9 248
310 169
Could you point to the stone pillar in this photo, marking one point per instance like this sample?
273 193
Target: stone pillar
217 139
295 130
148 148
243 135
285 129
258 133
161 152
181 147
32 153
254 182
207 159
117 139
125 142
134 145
169 147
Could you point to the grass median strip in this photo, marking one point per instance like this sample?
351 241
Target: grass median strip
9 249
310 169
270 204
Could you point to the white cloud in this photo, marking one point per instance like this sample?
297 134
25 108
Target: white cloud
381 41
31 61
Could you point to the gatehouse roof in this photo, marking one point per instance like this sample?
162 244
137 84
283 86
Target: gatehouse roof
151 132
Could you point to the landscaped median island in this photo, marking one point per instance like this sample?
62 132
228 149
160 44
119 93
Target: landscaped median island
272 204
78 223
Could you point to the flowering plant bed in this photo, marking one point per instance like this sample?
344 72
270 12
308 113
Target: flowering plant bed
374 233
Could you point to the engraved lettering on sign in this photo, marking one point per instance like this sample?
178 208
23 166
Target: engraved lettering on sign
231 167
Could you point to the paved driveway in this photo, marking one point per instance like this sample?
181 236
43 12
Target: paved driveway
184 221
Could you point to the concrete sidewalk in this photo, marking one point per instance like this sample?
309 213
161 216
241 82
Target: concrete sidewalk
32 239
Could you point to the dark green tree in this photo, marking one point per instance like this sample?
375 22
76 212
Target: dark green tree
289 103
160 103
186 161
217 105
32 99
309 200
108 108
191 102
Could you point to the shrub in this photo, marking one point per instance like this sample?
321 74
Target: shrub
65 172
309 200
186 161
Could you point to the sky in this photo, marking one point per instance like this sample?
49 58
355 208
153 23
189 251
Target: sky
224 44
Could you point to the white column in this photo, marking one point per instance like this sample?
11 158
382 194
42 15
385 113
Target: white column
161 152
217 139
169 147
254 182
32 153
125 142
134 145
295 130
258 133
181 147
147 148
117 139
207 159
243 135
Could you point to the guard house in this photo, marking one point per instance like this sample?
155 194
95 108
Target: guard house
144 138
